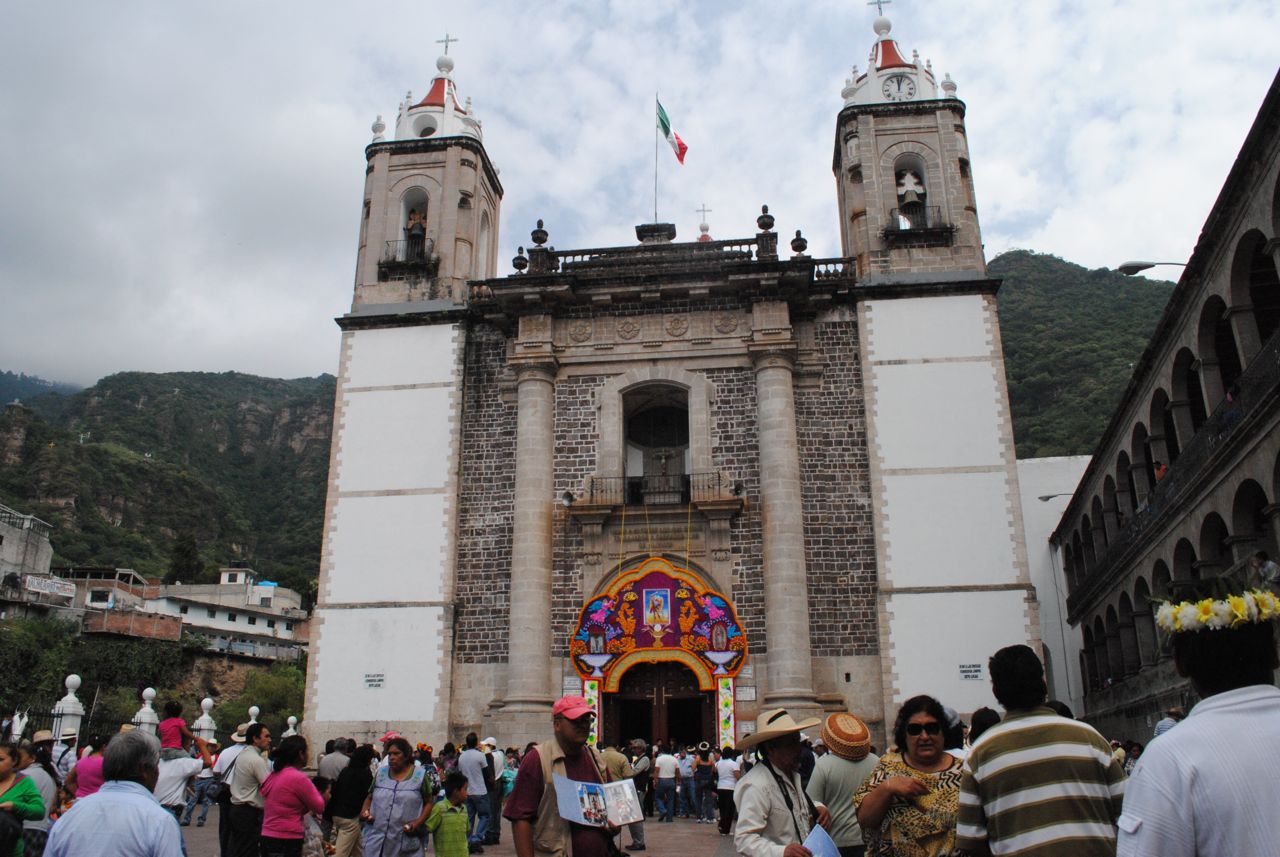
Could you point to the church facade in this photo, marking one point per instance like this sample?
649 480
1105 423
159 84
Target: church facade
689 480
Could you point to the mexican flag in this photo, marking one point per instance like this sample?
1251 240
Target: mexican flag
677 145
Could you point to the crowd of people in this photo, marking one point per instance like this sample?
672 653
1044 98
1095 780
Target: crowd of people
1030 781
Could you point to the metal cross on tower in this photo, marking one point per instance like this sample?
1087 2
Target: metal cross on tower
703 212
879 4
447 39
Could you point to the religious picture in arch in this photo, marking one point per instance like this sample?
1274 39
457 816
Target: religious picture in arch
657 607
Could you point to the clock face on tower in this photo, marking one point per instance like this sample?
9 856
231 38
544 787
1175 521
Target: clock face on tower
899 87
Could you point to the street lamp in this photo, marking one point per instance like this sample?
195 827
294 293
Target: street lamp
1045 498
1131 268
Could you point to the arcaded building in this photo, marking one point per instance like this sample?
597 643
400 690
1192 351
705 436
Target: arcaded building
687 479
1184 483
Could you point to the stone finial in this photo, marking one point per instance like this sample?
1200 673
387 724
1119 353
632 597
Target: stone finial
765 220
146 719
292 730
799 244
254 711
949 86
538 235
68 712
378 127
521 261
205 726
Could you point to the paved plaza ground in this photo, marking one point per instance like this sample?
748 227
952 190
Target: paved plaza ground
681 837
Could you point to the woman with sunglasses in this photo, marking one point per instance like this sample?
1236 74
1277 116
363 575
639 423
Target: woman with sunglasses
907 807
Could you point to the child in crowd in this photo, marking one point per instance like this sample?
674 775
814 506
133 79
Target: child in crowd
448 818
174 733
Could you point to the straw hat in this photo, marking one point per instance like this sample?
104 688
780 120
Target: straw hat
774 724
41 736
846 736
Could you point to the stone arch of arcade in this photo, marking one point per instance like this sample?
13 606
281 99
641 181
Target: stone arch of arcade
666 620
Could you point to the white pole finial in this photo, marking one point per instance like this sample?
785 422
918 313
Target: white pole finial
146 719
254 711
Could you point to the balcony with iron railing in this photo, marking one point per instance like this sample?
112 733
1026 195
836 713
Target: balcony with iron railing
1255 390
408 259
918 223
657 490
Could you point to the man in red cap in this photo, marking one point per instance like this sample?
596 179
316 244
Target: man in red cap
536 825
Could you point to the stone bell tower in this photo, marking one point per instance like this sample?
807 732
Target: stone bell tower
431 201
381 633
902 167
950 549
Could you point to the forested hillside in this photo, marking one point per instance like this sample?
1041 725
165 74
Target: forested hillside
1071 337
174 474
17 385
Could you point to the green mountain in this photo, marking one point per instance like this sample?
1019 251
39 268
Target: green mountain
1071 338
177 473
133 469
18 385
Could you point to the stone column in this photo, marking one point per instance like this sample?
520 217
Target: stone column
785 581
526 709
1210 382
1245 329
1182 422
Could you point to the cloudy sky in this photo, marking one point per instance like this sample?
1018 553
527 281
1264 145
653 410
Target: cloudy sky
180 183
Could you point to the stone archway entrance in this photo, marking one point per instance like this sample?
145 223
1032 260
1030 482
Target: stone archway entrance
660 702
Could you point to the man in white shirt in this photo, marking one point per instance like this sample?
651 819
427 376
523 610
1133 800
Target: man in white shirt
727 772
123 818
176 769
225 760
1205 787
493 835
64 754
774 812
251 771
666 770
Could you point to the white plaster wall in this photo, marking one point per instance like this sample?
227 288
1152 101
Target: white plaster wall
388 548
1043 477
921 328
396 356
401 643
948 527
933 634
936 414
394 439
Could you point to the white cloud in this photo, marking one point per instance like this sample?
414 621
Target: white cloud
182 183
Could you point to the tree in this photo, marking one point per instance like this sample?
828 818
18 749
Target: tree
185 564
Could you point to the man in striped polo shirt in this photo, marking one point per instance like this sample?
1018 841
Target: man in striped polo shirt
1037 784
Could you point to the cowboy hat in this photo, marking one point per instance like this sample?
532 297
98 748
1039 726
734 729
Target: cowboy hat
774 724
241 734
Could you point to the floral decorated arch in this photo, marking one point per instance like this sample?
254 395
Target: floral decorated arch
655 612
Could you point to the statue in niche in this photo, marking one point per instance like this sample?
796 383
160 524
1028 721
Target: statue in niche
595 643
415 233
719 639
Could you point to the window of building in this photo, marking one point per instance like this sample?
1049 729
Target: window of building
99 596
232 577
183 609
288 626
657 444
264 601
271 623
210 612
253 620
231 617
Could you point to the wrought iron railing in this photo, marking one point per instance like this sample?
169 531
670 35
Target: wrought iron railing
14 518
658 490
1256 386
411 258
914 217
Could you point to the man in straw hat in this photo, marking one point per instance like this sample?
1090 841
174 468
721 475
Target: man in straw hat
774 813
838 774
1203 788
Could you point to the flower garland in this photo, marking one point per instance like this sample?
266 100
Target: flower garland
1216 614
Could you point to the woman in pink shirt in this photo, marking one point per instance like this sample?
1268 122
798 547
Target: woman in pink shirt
86 777
288 795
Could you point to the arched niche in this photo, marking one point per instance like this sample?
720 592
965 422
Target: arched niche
1254 283
1126 491
1184 561
1215 552
1162 416
1217 340
1186 387
1249 525
1144 475
697 392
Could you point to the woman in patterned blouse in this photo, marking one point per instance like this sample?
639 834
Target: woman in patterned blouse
907 807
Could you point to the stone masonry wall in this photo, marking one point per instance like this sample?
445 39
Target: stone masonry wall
840 552
485 503
735 448
575 459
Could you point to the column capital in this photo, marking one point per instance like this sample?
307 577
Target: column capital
773 355
540 367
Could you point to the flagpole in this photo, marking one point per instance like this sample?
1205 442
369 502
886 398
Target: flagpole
655 156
